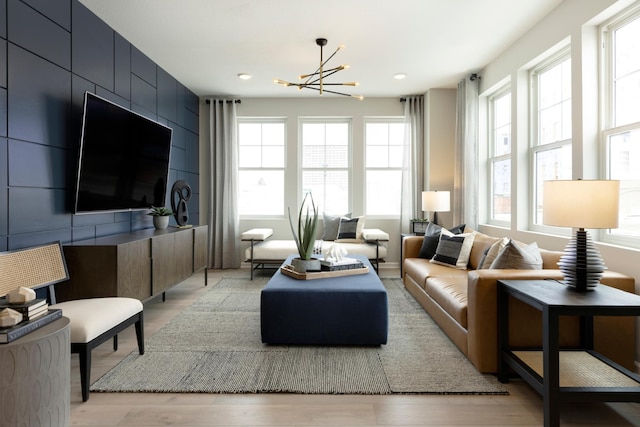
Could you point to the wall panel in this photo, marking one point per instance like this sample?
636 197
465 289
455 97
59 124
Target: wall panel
36 165
38 102
92 47
57 51
122 67
38 34
143 67
57 11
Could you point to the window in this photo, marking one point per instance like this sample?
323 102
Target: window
326 151
499 117
261 161
621 84
551 148
384 140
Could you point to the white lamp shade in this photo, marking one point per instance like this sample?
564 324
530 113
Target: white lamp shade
436 201
581 203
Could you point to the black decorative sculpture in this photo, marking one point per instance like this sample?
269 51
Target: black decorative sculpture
181 189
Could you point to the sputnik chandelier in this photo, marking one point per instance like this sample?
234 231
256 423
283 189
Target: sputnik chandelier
316 81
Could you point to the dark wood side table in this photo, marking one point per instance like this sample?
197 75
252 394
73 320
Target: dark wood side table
576 375
402 236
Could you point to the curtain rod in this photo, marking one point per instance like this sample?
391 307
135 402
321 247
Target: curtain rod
229 101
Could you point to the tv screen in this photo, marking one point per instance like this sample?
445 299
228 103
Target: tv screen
124 159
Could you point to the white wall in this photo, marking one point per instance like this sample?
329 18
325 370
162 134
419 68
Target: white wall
440 112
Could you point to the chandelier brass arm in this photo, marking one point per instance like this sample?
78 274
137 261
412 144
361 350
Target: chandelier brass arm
315 80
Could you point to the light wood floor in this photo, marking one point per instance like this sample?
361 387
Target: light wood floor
523 407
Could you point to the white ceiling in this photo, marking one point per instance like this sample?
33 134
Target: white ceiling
206 43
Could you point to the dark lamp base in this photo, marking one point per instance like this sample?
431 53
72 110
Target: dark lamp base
581 263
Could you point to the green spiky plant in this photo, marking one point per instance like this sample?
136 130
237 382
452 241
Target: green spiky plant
307 226
160 211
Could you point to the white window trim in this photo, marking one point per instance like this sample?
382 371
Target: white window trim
606 91
492 159
366 120
349 168
545 65
262 120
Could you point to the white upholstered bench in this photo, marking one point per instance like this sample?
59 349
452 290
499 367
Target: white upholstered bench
262 251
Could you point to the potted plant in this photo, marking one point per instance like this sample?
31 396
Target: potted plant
160 217
305 238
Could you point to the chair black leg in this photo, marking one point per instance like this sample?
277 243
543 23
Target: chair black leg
85 370
115 343
140 334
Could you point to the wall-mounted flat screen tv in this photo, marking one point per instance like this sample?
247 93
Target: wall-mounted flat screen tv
124 159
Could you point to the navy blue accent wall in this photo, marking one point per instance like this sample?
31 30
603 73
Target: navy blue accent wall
51 52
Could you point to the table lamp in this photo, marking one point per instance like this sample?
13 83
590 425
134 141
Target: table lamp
581 204
436 201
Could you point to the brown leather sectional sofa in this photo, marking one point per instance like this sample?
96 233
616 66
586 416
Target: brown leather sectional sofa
464 304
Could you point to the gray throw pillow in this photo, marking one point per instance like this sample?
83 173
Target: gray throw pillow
517 257
330 225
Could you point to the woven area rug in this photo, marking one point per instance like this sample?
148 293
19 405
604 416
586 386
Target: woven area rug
214 346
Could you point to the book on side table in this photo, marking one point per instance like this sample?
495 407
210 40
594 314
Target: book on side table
30 310
12 333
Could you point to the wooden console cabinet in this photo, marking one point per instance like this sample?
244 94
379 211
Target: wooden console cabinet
141 264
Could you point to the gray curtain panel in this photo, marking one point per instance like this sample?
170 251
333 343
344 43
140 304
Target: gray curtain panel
223 218
413 164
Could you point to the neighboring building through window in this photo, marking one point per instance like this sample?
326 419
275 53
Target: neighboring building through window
621 130
325 154
551 119
499 125
384 139
261 161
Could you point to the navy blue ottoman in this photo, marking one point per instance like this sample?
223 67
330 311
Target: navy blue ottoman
346 310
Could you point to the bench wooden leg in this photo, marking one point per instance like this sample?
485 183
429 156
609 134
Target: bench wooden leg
140 334
84 353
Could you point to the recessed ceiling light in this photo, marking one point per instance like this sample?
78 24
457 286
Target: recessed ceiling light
244 76
399 76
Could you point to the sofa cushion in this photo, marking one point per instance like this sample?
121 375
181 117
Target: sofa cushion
492 253
451 294
432 237
350 230
513 256
279 250
481 244
330 225
454 249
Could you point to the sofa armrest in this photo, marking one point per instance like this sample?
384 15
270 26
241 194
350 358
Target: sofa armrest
411 246
482 318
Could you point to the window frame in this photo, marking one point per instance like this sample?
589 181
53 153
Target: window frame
535 147
302 120
283 168
492 158
384 120
607 91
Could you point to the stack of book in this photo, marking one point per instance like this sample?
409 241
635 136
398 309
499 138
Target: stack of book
344 264
35 314
30 310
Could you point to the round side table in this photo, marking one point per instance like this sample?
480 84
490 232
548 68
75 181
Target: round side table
34 377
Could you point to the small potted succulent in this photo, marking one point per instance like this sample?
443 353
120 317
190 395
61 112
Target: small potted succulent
306 236
160 217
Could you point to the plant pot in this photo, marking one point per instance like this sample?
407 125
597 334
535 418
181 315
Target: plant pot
160 222
303 265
